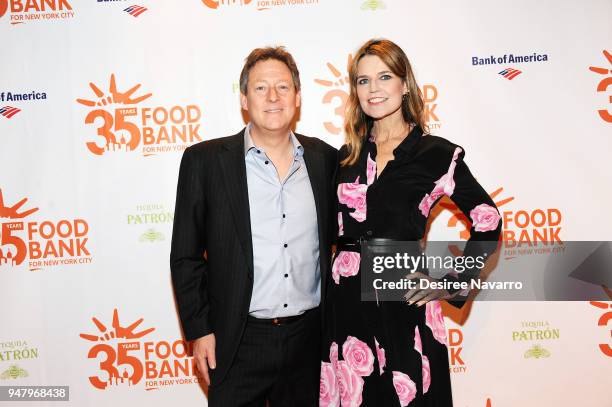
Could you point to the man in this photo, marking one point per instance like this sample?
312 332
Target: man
260 205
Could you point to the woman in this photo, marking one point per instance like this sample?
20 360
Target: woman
390 177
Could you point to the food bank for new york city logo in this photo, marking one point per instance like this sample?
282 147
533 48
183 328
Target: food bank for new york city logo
122 127
126 360
338 94
22 11
46 243
524 231
604 84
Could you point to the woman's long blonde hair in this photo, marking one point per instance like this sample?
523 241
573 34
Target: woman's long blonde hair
357 123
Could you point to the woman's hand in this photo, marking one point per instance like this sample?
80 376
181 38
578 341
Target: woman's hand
423 296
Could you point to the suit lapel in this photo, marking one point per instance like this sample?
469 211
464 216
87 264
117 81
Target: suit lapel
235 180
315 164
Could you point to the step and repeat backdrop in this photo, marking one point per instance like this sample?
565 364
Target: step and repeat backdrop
98 100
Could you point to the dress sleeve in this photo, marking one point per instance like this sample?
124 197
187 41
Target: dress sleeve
482 213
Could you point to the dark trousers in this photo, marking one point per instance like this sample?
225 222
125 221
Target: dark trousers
279 365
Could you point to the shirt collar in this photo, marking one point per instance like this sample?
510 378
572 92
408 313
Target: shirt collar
298 149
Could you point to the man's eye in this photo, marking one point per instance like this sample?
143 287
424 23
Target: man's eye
260 88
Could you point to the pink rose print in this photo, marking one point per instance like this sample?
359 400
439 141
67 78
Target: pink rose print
328 387
435 321
484 218
350 386
418 345
444 186
345 265
358 356
340 224
353 195
404 387
426 373
333 355
380 355
371 170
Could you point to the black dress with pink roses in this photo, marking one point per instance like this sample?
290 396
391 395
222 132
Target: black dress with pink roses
391 353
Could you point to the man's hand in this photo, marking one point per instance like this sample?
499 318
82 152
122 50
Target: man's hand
204 355
422 297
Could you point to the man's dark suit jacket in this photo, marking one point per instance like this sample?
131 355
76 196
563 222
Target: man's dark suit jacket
213 291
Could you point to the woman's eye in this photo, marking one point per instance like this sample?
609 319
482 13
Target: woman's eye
362 81
385 77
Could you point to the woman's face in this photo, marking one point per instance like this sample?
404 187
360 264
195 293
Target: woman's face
379 90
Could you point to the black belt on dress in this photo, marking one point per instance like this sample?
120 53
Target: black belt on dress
351 244
279 321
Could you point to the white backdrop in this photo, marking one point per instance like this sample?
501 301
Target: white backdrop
540 141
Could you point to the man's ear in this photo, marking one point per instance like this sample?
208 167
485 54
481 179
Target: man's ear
243 101
298 98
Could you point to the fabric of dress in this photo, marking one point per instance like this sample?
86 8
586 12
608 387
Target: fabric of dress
391 353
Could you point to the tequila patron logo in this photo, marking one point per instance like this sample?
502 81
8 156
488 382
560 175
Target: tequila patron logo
604 84
122 125
338 92
18 350
128 357
148 219
535 332
605 320
25 11
260 5
44 243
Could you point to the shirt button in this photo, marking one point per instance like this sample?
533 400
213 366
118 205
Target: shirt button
285 305
285 245
286 275
267 162
369 233
284 215
258 152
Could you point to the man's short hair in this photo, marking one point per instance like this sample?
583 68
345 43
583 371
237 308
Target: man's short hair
262 54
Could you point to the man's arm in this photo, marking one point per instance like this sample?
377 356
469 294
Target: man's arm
188 265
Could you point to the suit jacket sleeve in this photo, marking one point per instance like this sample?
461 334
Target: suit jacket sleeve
187 262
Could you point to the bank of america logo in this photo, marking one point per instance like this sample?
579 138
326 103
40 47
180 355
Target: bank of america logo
510 73
8 111
135 10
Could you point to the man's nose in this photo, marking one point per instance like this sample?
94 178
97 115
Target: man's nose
272 94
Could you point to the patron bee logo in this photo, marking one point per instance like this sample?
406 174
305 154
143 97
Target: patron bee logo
127 359
604 84
43 242
13 372
537 352
338 94
22 11
372 5
152 130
